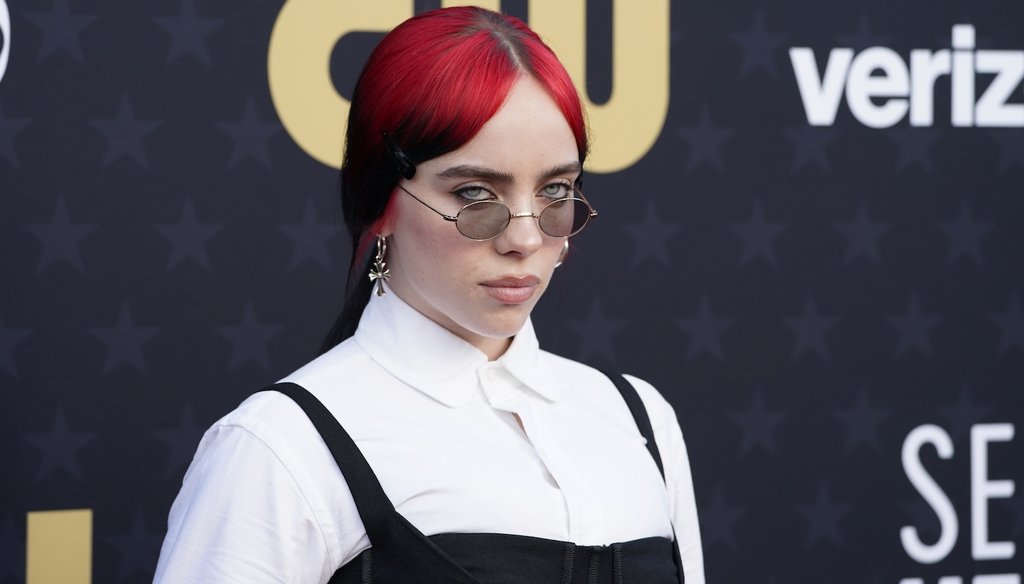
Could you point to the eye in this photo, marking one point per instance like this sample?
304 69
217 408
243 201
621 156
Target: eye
556 190
473 193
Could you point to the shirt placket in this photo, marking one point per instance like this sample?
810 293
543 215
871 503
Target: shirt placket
506 394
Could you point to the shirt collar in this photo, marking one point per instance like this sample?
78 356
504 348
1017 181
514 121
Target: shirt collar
433 360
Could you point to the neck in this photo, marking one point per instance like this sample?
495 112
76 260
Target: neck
493 348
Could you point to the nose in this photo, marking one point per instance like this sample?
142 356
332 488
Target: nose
523 235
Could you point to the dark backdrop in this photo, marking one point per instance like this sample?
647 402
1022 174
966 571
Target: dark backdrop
806 296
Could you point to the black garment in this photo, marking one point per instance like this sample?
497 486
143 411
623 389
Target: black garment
402 554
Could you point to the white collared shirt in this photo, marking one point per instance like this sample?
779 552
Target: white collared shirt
264 501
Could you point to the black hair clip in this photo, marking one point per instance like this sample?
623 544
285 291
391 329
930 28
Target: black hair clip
402 162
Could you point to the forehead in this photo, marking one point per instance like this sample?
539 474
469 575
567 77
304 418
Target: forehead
528 135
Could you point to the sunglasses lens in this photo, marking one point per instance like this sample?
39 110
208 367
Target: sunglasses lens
564 217
483 220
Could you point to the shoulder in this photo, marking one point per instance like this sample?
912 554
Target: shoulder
264 472
271 421
345 366
660 411
269 434
580 377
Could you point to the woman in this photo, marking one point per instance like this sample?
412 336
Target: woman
465 147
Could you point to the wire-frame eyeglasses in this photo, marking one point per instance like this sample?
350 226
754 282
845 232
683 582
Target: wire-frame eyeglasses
484 220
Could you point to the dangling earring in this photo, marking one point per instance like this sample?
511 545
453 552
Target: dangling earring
561 256
379 273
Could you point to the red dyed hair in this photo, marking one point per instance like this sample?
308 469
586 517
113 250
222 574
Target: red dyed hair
432 83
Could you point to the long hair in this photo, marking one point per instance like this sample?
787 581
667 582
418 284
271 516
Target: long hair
431 84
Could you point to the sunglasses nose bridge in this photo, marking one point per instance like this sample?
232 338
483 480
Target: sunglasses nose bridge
523 214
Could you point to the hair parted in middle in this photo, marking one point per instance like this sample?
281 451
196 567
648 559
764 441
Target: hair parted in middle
431 84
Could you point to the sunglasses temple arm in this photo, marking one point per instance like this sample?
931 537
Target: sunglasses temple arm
445 216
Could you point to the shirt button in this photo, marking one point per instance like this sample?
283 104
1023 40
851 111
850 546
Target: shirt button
492 374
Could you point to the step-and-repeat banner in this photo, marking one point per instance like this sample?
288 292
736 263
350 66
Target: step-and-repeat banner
811 240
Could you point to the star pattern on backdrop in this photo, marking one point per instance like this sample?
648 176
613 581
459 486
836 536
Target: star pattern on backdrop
862 422
914 328
1011 147
310 237
188 238
650 237
188 32
758 236
914 146
138 548
862 37
61 239
597 333
810 145
125 134
1011 325
249 339
964 234
10 339
704 332
963 414
862 235
249 136
180 441
58 448
806 295
718 520
758 425
61 29
823 517
759 47
704 141
810 328
125 341
10 127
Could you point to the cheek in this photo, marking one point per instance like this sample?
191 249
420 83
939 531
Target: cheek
431 249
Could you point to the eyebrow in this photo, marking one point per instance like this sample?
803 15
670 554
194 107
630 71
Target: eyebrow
482 172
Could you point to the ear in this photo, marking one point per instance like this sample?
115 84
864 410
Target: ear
386 224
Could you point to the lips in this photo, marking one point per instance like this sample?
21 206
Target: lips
511 289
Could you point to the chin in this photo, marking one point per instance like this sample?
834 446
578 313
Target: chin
505 325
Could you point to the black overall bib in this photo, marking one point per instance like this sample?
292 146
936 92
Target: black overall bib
401 554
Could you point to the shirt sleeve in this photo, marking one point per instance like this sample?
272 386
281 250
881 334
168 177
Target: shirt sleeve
678 478
241 517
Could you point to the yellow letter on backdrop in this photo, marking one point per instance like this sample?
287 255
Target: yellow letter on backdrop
298 66
627 126
59 547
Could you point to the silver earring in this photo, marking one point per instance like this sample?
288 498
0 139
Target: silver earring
379 273
561 256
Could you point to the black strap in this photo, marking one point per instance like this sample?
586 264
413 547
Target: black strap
643 423
639 412
398 546
375 509
380 519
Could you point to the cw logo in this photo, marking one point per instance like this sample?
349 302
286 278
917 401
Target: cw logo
624 128
5 37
